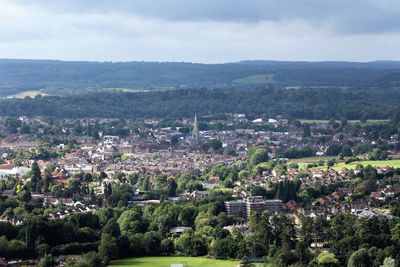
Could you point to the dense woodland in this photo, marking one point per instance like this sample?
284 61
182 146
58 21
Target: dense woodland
309 103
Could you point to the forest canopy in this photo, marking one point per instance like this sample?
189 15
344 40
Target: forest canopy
307 103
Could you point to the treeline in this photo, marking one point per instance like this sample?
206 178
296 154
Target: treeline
295 104
125 232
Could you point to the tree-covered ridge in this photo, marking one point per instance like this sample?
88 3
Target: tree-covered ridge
60 77
355 103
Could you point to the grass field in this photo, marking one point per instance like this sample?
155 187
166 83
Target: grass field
395 163
312 159
167 261
256 79
302 162
350 121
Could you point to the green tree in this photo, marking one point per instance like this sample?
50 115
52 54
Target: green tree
306 130
33 227
93 259
377 154
261 234
213 144
333 150
112 228
108 248
261 155
346 151
172 186
189 244
167 247
47 261
325 260
389 262
145 183
224 248
187 216
87 177
151 243
25 196
360 258
35 177
129 222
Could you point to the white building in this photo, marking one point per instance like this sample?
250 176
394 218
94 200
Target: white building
10 169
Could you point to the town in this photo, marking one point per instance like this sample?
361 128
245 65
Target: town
309 169
184 133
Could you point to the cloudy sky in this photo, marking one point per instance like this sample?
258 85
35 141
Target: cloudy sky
200 30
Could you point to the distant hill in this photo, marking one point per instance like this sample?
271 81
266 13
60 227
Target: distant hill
66 77
385 65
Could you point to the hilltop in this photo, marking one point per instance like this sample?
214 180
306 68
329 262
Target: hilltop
66 77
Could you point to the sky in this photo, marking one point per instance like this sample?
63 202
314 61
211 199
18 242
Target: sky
206 31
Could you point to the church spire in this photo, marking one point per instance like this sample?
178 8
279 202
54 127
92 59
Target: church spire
195 132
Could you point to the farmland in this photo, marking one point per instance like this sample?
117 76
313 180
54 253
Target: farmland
256 79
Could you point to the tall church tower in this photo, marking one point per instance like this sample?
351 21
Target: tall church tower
195 132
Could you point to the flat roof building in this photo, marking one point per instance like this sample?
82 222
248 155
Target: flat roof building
236 208
252 204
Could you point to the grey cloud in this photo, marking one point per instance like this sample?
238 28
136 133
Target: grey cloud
343 16
200 30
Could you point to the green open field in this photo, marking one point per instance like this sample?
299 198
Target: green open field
395 163
302 162
312 159
167 261
350 121
256 79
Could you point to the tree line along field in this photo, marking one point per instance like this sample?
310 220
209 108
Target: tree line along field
168 260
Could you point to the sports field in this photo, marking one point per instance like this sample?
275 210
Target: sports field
302 162
167 261
395 163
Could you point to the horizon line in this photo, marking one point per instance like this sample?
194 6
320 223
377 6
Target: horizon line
204 63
